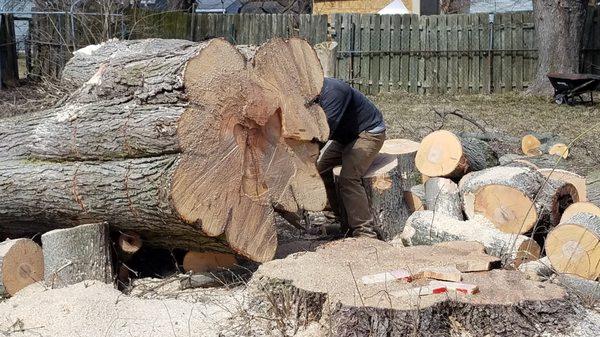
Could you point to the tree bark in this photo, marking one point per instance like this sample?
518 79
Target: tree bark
443 197
593 187
427 228
559 30
188 144
77 254
507 304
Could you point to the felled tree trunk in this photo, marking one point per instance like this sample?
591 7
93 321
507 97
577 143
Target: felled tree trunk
574 246
391 171
21 264
77 254
190 145
427 228
567 176
516 199
580 207
443 154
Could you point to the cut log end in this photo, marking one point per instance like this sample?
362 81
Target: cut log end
509 209
129 242
573 247
580 207
530 145
21 264
561 150
199 262
440 155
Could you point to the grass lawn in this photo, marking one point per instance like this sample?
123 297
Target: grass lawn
413 116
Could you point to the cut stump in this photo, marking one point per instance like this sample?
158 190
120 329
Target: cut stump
21 264
325 286
77 254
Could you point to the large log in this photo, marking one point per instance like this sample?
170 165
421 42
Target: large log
574 246
427 228
443 154
385 182
516 199
324 286
73 255
188 144
575 179
21 264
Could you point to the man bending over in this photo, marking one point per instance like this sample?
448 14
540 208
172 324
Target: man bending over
357 132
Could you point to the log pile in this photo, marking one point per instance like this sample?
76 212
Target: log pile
190 145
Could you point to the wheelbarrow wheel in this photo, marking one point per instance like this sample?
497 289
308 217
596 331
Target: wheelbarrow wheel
560 99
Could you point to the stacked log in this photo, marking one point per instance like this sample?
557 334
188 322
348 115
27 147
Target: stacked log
516 199
428 227
443 197
593 187
573 247
443 154
191 145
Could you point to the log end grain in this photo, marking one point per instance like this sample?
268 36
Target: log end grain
21 264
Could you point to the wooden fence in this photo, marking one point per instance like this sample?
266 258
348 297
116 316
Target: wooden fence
466 53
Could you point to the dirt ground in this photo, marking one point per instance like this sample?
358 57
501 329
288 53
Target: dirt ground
413 116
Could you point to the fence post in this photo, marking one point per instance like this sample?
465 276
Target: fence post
9 70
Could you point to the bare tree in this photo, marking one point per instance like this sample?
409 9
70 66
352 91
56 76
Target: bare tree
454 6
559 31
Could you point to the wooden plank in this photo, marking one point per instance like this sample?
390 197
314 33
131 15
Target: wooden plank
341 67
386 33
443 57
365 48
375 58
484 44
9 71
474 55
433 73
529 62
453 59
497 56
395 45
422 32
405 47
356 46
463 45
414 56
517 37
507 46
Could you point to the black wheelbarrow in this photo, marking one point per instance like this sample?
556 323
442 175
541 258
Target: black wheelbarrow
568 88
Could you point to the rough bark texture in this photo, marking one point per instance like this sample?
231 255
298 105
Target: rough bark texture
322 286
479 154
559 29
443 197
426 228
587 291
21 264
191 143
593 188
575 179
77 254
416 198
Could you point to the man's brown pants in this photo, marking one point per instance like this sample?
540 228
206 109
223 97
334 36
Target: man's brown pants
355 159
